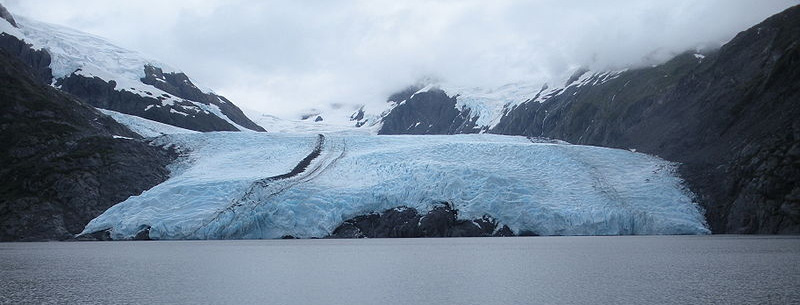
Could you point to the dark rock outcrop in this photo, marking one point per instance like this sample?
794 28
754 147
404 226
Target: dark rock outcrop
405 222
730 118
62 162
143 234
428 112
178 84
102 94
5 14
37 60
359 117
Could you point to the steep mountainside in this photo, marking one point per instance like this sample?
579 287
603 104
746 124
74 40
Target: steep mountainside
110 77
730 117
62 162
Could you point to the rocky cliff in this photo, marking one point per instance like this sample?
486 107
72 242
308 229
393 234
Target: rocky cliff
426 112
180 102
62 162
37 60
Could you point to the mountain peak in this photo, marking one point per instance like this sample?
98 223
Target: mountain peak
114 78
5 14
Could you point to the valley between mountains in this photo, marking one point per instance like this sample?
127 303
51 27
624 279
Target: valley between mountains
103 143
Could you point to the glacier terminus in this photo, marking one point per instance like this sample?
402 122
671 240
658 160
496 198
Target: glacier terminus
231 185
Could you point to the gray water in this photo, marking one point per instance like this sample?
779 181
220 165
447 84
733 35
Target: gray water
534 270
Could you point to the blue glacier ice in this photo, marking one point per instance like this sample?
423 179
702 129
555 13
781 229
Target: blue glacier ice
237 185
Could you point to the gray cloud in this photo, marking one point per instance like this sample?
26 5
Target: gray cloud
283 56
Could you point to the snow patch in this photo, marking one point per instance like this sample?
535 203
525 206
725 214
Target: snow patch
144 127
178 112
214 109
424 89
488 104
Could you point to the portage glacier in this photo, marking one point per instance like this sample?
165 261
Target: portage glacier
234 185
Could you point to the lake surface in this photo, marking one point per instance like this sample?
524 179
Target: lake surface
715 269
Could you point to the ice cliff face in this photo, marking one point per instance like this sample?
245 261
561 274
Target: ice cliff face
266 186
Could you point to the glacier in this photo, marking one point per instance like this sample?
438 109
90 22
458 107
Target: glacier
232 185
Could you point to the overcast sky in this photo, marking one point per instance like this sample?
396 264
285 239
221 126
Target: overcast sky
281 57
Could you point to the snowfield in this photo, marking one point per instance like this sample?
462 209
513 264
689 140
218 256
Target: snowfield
142 126
254 185
70 50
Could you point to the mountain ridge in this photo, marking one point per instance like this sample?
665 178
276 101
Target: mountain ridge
117 79
728 116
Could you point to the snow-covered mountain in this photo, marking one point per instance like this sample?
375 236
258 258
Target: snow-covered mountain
729 116
247 185
113 78
435 108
